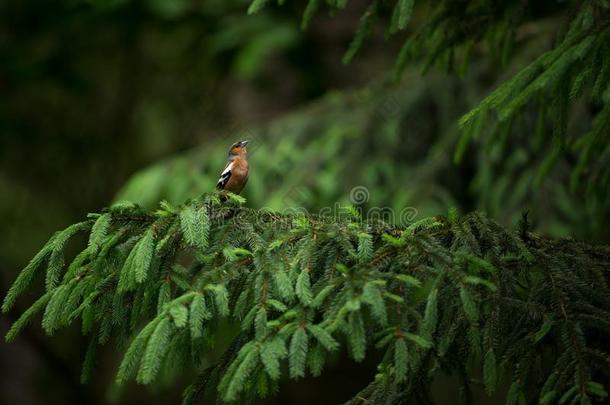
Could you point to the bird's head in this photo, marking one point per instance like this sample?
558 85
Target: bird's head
238 148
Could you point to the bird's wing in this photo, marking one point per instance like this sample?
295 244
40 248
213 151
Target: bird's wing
224 176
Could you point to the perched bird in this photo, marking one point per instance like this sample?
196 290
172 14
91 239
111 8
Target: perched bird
235 175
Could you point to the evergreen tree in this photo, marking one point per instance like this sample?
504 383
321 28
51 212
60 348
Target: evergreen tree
455 294
577 65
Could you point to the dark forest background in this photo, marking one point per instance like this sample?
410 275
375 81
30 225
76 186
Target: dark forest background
139 99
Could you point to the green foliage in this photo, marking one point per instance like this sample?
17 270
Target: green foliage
195 226
256 5
310 10
299 345
236 381
199 313
489 371
458 296
155 351
364 29
131 360
400 359
99 231
142 256
325 338
25 277
26 317
303 288
554 82
401 15
371 122
521 154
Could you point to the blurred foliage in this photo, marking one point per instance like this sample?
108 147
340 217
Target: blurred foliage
373 130
376 138
312 158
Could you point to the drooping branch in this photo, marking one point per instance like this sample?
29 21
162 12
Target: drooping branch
448 294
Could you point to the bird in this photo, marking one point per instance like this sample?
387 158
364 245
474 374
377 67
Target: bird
235 174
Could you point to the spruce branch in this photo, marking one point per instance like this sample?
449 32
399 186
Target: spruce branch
438 294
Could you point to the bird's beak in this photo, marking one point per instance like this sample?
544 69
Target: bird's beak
244 143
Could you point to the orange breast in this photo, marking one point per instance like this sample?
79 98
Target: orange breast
239 176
